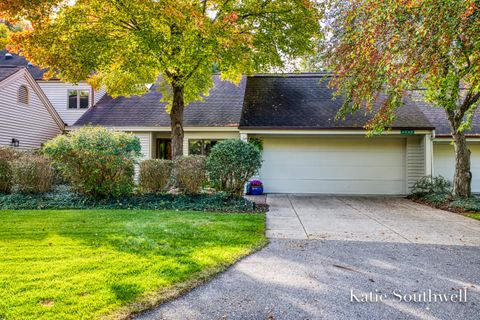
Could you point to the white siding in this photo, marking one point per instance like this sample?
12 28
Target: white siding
222 135
98 95
444 162
57 93
333 165
415 160
31 124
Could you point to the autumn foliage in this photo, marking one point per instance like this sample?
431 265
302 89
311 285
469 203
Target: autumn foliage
124 44
382 50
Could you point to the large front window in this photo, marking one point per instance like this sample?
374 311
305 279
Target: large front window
78 99
200 147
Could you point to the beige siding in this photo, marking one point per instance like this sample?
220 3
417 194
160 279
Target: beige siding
415 160
32 124
57 93
444 162
146 143
208 135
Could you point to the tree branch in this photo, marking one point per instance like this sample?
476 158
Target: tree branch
464 51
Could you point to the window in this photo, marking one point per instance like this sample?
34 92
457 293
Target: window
200 147
23 94
78 99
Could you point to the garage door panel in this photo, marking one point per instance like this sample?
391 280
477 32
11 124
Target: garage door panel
335 186
331 158
351 144
334 165
335 172
444 163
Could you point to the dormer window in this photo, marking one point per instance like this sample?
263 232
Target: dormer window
23 95
78 99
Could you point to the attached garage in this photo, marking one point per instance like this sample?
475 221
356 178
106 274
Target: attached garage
444 162
306 149
334 165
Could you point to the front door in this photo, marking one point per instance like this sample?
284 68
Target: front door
164 149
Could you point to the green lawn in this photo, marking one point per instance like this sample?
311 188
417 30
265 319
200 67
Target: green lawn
76 264
475 215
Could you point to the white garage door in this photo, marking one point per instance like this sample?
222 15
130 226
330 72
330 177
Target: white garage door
444 163
334 165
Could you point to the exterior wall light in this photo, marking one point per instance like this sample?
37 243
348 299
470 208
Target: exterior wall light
15 143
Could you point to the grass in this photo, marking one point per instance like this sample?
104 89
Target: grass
84 264
475 215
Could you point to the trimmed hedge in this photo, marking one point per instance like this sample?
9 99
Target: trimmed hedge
219 202
7 155
190 173
32 174
155 176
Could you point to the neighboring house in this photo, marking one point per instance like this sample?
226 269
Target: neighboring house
70 101
443 153
27 119
305 149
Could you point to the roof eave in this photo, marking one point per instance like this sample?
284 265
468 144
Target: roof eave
243 127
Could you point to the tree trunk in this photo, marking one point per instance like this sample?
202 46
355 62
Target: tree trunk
462 178
176 119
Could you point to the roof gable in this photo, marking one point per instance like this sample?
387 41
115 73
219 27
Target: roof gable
19 74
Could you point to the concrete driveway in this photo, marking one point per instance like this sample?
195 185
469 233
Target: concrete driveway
349 258
384 219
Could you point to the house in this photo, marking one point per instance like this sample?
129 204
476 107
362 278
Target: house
70 100
305 149
27 118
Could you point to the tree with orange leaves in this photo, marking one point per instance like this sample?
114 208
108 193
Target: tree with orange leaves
124 44
387 48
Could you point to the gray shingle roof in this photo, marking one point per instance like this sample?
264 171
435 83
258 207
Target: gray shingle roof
20 61
438 117
295 101
304 101
7 71
222 108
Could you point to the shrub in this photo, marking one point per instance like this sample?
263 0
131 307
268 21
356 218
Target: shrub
6 156
154 175
257 142
190 173
437 186
231 164
96 161
32 174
